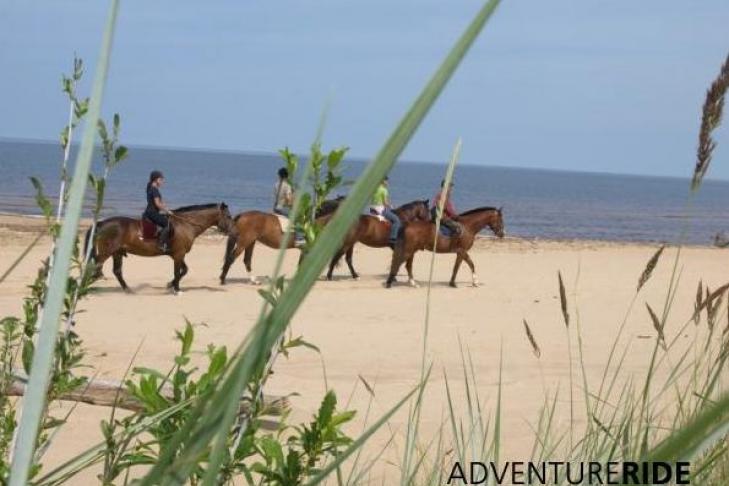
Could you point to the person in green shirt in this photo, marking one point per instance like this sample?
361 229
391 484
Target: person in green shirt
381 206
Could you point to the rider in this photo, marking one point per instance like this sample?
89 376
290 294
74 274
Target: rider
283 200
283 194
156 210
447 219
381 206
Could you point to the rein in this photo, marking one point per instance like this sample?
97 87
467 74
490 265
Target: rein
187 220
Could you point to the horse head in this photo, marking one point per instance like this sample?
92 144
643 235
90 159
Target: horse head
497 224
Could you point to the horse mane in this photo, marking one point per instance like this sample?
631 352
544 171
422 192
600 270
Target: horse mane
195 207
479 210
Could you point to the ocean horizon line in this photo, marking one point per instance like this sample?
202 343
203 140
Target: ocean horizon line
364 160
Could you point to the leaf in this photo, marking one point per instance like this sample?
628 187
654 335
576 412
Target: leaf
120 153
27 355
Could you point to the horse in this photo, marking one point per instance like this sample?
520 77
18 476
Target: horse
420 236
375 233
252 226
119 235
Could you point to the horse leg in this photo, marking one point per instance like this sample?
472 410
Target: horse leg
177 275
459 259
349 254
397 261
247 258
469 262
98 264
409 266
333 263
233 251
118 260
183 270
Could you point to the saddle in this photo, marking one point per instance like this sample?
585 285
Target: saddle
148 230
448 232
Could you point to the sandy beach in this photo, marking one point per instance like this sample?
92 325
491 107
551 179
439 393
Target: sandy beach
366 331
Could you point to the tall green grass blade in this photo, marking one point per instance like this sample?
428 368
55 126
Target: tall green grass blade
695 437
200 430
35 398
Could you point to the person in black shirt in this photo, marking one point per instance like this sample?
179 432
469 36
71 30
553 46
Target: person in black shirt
156 210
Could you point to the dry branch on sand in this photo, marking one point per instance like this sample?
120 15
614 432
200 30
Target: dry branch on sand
107 393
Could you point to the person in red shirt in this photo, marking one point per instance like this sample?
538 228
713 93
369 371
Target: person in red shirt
448 218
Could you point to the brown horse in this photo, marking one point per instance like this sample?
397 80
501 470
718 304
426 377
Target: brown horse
420 236
253 226
373 232
117 236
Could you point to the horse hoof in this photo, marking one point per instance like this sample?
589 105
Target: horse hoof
177 292
476 284
356 278
413 283
222 281
254 281
453 285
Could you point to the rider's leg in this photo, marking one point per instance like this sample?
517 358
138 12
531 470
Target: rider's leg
395 223
298 236
451 225
163 222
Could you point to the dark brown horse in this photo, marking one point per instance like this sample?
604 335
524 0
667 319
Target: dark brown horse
253 226
420 236
371 231
117 236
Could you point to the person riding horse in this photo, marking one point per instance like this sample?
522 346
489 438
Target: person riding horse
449 211
157 211
381 206
283 201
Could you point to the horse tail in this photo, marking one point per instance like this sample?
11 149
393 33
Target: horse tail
230 246
87 241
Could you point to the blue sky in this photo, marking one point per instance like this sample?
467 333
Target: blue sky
613 86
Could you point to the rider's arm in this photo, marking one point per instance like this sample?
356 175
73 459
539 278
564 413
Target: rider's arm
450 210
160 205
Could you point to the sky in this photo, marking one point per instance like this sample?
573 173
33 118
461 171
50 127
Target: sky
608 86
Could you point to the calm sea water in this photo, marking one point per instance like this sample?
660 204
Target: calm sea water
546 204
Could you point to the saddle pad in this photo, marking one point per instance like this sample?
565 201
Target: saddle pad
446 231
283 221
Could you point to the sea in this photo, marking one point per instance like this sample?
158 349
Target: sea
536 203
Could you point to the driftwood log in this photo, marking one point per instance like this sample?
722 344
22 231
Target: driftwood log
107 393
